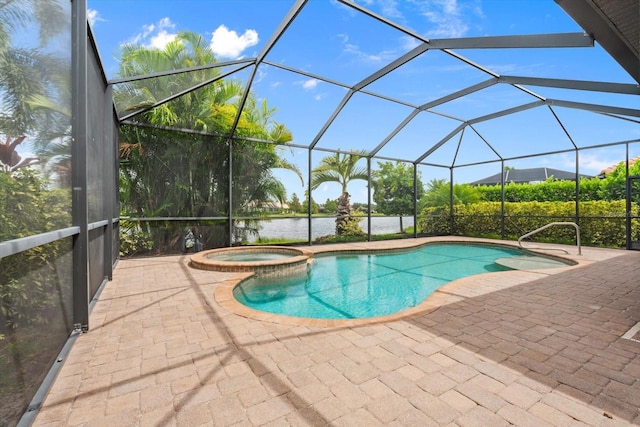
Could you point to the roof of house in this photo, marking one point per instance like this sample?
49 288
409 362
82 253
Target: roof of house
611 168
528 175
615 24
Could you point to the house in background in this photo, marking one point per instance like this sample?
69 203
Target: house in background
528 176
604 172
270 206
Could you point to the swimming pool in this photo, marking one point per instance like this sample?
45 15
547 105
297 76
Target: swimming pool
370 284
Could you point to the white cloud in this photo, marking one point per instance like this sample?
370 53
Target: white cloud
160 40
409 43
590 164
146 30
344 37
593 165
354 50
310 84
261 74
155 36
405 44
166 23
228 44
446 18
502 68
93 16
445 26
390 9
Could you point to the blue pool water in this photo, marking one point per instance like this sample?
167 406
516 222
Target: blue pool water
369 285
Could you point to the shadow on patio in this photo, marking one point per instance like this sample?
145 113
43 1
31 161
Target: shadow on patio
549 352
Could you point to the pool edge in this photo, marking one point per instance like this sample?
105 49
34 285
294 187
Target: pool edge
446 294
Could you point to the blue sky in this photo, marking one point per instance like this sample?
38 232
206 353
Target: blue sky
331 40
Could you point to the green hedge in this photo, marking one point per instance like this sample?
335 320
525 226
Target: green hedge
552 191
602 223
611 187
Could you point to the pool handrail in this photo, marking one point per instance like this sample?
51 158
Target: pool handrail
550 225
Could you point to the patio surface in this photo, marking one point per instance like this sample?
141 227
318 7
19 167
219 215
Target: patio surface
538 348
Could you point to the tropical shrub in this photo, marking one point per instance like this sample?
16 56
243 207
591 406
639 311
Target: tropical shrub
350 227
133 239
167 173
437 194
602 223
28 207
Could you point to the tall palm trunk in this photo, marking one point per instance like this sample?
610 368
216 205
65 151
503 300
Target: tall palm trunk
343 213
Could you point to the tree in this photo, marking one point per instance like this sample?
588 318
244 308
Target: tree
170 173
25 72
30 76
394 190
363 207
330 205
438 194
294 203
10 160
342 169
305 205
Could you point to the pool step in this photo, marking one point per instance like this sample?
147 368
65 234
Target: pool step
530 262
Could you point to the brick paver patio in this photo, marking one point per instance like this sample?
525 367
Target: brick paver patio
524 348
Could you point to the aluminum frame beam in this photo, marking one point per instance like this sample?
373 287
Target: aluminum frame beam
15 246
563 127
79 173
622 88
275 36
506 112
594 107
333 116
532 41
413 53
363 83
179 71
473 128
306 74
455 155
286 22
184 92
394 132
384 20
427 106
440 143
459 94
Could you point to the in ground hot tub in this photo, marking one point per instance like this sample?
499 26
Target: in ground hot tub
264 261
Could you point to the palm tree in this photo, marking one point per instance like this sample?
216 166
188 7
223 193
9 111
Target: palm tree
28 74
340 168
438 194
171 173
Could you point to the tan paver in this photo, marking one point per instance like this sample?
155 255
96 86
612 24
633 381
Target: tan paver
167 347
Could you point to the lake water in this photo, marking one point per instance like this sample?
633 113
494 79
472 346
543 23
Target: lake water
298 228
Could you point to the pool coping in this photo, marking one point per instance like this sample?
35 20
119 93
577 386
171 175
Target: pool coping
444 295
296 262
